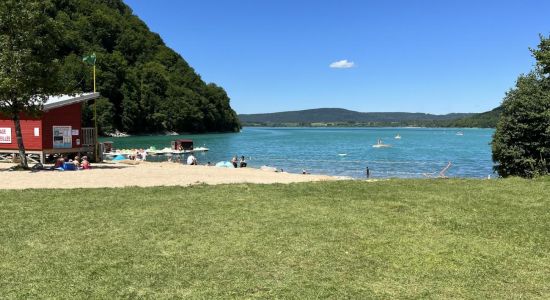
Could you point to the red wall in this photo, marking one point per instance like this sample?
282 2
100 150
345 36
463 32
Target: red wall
30 141
70 115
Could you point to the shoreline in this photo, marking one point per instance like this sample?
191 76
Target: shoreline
145 174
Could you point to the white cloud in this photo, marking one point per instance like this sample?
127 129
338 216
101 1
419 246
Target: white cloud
342 64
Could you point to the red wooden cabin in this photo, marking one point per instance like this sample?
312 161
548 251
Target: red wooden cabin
57 130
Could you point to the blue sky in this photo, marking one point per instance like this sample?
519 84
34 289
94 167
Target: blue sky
428 56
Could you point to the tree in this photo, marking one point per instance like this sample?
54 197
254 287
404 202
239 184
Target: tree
521 144
28 64
150 86
105 115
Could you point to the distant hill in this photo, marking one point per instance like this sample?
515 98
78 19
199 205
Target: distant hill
344 117
341 115
487 119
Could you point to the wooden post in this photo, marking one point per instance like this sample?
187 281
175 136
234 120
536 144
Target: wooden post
96 142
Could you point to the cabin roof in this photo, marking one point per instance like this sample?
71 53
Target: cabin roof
63 100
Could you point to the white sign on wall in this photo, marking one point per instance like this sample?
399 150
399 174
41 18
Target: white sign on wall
5 135
62 137
36 131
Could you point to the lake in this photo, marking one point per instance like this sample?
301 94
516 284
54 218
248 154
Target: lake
343 151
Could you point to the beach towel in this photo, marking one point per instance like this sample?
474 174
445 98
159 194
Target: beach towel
224 164
69 167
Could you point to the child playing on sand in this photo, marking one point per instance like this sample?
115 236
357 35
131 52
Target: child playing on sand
59 163
85 163
76 162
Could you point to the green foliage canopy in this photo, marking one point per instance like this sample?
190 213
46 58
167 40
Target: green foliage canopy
28 64
29 69
149 87
521 144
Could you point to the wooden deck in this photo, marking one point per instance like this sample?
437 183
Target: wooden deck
40 155
88 140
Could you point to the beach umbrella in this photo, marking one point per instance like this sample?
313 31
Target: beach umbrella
119 157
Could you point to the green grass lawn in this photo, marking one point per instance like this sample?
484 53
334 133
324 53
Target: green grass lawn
389 239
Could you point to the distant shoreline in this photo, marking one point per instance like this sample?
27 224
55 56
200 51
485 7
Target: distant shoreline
348 126
337 117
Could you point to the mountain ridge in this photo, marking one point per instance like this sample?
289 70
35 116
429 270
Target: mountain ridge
346 117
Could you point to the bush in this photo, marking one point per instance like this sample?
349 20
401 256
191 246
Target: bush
521 144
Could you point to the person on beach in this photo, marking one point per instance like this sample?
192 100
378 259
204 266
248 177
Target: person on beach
59 163
143 155
367 172
76 162
234 161
86 163
192 160
243 163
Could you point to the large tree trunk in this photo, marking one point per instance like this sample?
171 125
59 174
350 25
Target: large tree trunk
20 145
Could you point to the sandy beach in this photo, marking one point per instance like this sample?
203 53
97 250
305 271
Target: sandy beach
144 175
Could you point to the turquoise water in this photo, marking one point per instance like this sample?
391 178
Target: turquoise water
344 151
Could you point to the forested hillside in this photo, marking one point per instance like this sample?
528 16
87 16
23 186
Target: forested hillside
342 115
487 119
147 87
338 117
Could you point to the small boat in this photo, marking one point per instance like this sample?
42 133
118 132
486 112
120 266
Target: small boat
398 137
176 152
113 154
164 151
380 144
153 151
200 149
342 154
460 133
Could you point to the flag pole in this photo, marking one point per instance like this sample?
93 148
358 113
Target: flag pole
94 77
96 144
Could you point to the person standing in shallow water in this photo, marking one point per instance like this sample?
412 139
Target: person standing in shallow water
235 161
367 172
242 164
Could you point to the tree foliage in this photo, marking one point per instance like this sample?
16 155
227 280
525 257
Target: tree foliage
336 117
150 87
28 65
521 144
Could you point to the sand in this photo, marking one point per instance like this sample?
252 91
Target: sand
144 175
